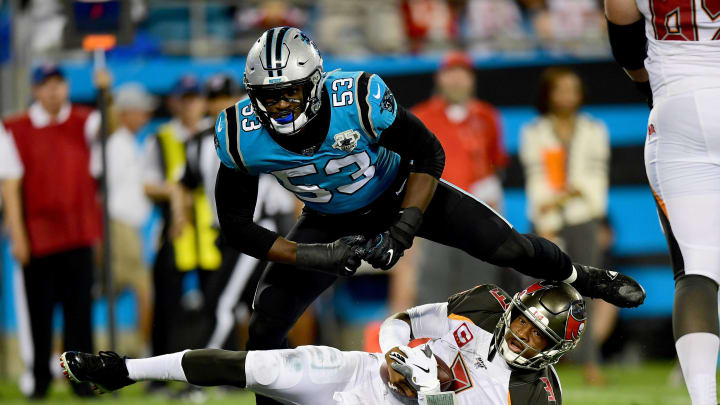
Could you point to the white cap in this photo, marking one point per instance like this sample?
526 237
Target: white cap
133 96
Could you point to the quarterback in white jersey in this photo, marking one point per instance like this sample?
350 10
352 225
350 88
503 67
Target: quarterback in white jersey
672 47
499 349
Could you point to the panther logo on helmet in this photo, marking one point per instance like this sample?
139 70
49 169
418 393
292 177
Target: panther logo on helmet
308 41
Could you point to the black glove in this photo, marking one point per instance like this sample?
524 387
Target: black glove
387 248
341 258
646 90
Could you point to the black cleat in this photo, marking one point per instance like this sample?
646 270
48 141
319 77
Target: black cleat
106 371
616 288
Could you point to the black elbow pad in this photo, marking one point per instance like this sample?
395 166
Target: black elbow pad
628 44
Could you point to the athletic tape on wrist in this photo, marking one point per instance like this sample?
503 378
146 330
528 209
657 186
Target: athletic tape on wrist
440 398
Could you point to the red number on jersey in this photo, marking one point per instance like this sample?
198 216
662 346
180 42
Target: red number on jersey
677 20
500 298
549 389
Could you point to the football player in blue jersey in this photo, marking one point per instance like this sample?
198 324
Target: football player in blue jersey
368 172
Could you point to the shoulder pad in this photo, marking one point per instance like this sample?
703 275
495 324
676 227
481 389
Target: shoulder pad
479 302
339 74
227 138
377 104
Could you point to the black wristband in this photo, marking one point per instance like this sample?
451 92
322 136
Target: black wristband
407 226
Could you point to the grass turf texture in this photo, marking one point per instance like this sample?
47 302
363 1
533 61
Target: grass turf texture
637 385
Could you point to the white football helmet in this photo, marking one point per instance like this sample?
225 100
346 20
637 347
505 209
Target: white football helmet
282 59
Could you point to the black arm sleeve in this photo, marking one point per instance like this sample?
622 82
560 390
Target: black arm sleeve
236 194
628 44
411 139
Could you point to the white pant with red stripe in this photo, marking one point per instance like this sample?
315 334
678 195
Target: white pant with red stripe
682 159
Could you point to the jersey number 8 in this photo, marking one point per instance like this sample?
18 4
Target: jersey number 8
680 20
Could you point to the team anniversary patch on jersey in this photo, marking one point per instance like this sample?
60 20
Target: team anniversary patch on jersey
346 140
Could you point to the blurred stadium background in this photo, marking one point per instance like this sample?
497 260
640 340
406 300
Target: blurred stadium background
511 43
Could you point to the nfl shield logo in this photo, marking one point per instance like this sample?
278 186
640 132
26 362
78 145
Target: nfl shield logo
346 140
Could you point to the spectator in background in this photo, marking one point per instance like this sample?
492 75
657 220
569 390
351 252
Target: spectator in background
10 167
469 130
53 215
229 290
431 24
253 17
531 5
180 250
492 25
576 26
360 27
201 166
270 13
128 206
565 155
40 26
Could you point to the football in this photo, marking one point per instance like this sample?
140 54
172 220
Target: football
445 376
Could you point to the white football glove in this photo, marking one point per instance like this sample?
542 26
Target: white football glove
419 368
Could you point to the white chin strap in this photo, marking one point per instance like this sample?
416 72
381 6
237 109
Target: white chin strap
510 356
291 126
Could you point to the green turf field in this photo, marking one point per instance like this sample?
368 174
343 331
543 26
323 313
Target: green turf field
626 385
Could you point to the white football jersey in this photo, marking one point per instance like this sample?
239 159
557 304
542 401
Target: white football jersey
477 379
481 375
683 45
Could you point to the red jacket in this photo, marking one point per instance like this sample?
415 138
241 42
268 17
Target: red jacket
473 146
60 208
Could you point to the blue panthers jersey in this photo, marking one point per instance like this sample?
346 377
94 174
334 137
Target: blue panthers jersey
347 172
